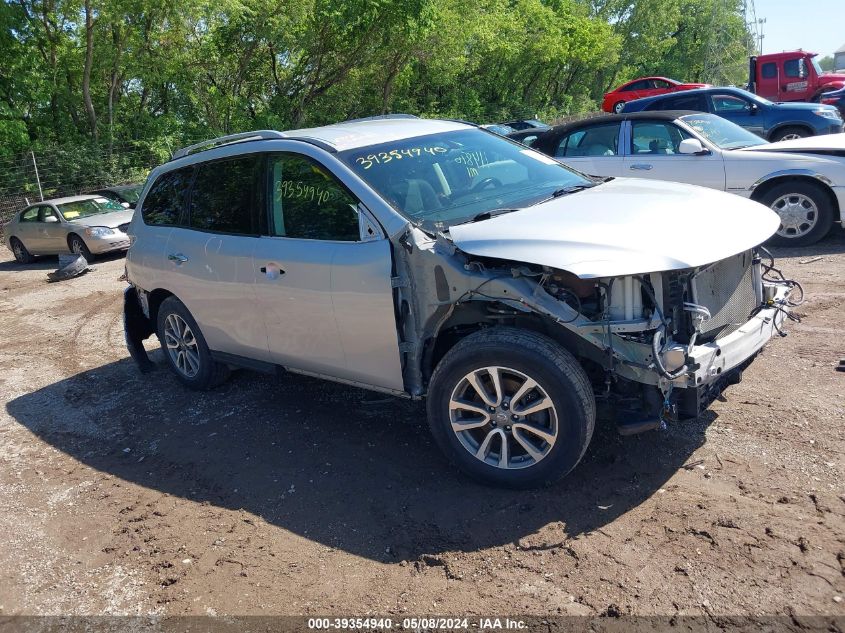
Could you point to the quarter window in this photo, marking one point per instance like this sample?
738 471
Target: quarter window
166 199
309 203
224 196
601 140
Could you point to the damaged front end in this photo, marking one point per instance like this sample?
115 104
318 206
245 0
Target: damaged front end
659 346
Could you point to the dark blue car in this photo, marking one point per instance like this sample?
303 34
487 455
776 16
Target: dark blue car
773 121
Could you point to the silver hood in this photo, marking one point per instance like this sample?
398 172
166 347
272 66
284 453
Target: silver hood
823 143
111 220
623 227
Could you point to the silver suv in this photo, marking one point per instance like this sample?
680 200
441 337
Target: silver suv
433 258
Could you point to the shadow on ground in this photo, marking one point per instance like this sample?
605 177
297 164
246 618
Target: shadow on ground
347 468
49 262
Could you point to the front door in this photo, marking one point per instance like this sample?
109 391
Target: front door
52 231
738 110
653 153
325 292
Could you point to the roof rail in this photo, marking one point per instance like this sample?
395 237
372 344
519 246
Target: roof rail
225 140
378 117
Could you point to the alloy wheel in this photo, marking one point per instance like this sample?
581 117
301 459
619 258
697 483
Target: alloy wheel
503 417
798 214
17 250
181 345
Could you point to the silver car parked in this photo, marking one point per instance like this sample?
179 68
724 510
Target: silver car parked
85 225
432 258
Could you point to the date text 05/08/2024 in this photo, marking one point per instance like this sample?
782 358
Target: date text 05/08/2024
418 624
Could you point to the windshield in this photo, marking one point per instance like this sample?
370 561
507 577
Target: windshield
815 64
721 132
85 208
448 178
130 193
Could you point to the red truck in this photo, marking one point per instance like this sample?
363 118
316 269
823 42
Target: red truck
791 76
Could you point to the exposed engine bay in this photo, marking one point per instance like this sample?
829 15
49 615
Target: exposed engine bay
658 346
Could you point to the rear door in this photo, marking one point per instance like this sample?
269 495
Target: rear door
26 229
653 153
593 150
208 257
323 278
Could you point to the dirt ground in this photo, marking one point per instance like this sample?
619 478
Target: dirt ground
123 493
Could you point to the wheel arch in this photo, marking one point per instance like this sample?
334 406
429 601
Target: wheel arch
70 236
154 300
782 126
472 316
764 185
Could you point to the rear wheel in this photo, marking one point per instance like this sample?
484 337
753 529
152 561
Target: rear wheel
790 133
618 106
805 210
22 256
511 407
78 247
185 348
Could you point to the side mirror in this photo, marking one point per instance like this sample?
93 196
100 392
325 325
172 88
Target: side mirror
692 146
126 205
754 107
50 218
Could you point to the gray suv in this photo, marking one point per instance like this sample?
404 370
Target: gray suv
433 258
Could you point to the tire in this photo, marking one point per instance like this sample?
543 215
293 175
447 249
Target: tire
513 354
77 245
191 361
796 200
22 255
617 107
789 133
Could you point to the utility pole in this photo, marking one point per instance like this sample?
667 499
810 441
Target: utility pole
37 177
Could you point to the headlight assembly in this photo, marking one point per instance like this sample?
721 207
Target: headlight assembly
98 231
828 114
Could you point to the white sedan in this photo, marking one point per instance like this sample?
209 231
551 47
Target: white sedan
802 180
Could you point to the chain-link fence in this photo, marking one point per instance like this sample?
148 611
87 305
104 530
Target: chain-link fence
69 170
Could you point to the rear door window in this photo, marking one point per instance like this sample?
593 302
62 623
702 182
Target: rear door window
165 202
681 102
30 215
225 196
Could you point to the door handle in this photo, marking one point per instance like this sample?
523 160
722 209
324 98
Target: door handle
179 258
272 272
642 166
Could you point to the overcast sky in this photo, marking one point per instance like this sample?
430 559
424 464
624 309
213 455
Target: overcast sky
814 25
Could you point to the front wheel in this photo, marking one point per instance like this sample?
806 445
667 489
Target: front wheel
790 133
511 407
185 348
805 210
78 247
